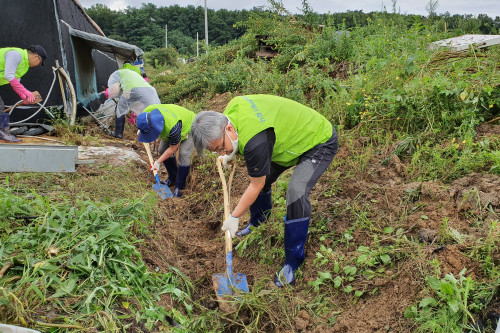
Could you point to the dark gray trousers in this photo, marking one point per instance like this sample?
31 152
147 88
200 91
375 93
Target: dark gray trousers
312 164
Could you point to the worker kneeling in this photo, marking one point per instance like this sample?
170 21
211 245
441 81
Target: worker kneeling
273 134
172 124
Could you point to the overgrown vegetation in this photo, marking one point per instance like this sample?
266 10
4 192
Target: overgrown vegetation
145 26
410 121
79 257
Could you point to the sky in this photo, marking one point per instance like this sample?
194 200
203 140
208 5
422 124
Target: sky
489 7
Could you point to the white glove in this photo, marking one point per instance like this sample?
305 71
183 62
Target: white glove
226 158
231 224
155 166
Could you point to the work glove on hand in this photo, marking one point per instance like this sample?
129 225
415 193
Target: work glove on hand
30 98
231 224
132 119
155 166
26 95
225 159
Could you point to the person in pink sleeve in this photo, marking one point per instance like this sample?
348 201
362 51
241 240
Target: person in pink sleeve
14 63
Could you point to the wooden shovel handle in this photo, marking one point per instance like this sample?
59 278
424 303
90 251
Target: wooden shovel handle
226 189
148 150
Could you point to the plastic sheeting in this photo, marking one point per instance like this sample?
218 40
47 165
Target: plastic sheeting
133 92
123 51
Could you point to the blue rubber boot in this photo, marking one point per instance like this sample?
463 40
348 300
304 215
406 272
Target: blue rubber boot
180 181
295 239
259 212
5 128
171 166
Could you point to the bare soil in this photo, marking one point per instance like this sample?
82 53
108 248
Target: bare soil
187 233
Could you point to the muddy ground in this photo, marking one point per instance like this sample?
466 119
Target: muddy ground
187 232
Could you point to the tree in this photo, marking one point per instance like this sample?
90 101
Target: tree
431 7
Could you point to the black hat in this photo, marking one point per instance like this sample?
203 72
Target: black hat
38 49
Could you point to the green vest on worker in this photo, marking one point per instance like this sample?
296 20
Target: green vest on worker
22 68
297 127
130 79
132 68
172 114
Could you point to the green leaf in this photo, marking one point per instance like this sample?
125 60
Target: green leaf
388 230
325 275
66 288
337 281
446 288
411 312
454 305
385 258
427 301
434 283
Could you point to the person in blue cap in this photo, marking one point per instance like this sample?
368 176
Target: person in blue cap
172 124
14 63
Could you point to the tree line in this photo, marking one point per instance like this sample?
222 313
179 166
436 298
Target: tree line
145 26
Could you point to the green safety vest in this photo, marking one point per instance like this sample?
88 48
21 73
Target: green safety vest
130 79
297 127
132 68
172 114
22 68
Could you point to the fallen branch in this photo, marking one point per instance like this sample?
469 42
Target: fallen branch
59 325
5 268
492 120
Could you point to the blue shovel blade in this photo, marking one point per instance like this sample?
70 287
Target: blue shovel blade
162 190
225 285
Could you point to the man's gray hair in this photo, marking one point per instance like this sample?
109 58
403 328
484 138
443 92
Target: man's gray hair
207 127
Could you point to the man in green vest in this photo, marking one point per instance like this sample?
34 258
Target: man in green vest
133 94
14 63
172 124
137 66
273 134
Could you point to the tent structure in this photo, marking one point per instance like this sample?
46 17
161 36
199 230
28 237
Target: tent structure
74 43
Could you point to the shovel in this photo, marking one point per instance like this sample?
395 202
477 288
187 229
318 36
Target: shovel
227 282
162 189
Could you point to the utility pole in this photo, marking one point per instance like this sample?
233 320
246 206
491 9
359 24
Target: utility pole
197 47
206 26
166 37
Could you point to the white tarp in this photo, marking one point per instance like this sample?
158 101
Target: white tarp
463 42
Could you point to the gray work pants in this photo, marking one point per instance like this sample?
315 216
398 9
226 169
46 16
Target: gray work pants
184 152
312 164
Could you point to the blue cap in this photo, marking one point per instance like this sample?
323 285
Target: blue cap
150 125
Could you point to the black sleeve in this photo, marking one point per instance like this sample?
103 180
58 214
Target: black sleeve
258 153
174 137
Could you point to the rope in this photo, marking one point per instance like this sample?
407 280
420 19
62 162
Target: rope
42 106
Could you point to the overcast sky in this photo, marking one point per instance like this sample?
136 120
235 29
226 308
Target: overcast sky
489 7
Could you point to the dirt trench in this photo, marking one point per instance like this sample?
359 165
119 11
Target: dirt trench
187 235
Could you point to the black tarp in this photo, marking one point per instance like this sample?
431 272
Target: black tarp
69 36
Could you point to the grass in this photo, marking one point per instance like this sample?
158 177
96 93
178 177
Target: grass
78 261
71 240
